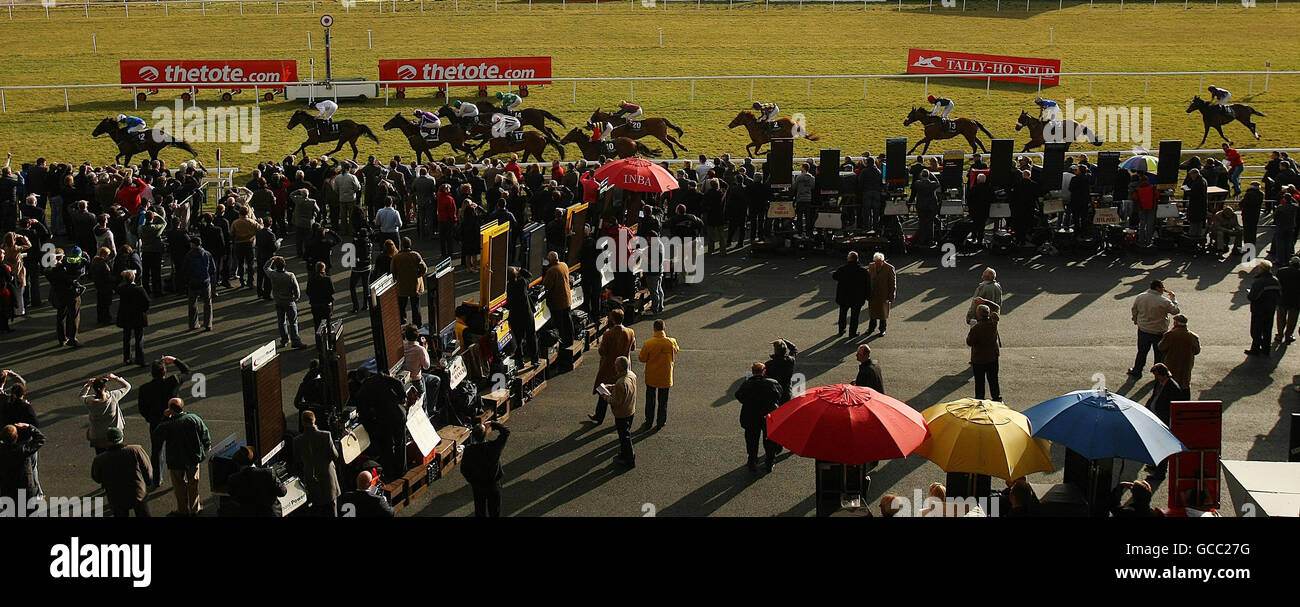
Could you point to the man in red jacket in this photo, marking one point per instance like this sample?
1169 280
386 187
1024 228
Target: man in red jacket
590 187
129 193
1235 167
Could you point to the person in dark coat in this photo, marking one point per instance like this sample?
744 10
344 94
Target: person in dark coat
852 290
979 201
1164 392
1284 227
314 454
1139 506
18 443
780 366
132 317
320 294
1081 198
257 490
151 402
481 466
1024 206
365 501
383 414
1263 294
522 325
124 471
1198 205
1288 305
868 371
1251 202
758 396
65 294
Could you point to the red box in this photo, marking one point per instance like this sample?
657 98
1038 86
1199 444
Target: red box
1002 68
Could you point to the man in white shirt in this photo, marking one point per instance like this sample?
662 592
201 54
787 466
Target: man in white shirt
103 408
348 186
1151 312
389 222
702 168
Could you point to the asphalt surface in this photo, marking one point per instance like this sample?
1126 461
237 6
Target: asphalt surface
1064 321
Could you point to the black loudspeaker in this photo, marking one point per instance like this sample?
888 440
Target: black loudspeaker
1294 453
828 170
1107 167
961 484
896 162
1171 151
780 162
1053 164
1094 478
1000 165
950 176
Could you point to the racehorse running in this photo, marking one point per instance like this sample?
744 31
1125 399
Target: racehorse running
450 134
653 127
129 145
531 116
760 133
533 143
346 131
935 131
1212 116
593 150
1055 131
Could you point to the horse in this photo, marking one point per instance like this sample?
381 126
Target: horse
654 127
534 144
347 132
534 117
593 150
478 130
1059 131
450 134
1214 117
935 131
129 145
760 133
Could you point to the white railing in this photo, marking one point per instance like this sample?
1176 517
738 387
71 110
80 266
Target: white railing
632 80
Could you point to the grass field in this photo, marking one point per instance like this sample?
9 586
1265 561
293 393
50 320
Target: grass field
622 39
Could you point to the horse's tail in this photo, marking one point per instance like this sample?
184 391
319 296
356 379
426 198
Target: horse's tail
982 129
555 144
365 130
674 127
549 116
184 146
642 148
812 137
1256 112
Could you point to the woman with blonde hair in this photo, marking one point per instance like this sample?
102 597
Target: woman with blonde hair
15 247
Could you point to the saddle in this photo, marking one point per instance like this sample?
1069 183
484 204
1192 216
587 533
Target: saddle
949 125
327 127
518 114
773 127
634 125
515 136
608 148
1225 111
430 136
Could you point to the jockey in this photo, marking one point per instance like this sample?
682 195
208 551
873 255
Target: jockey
509 101
503 124
767 111
942 106
1219 96
601 131
631 110
1047 109
466 112
427 122
132 124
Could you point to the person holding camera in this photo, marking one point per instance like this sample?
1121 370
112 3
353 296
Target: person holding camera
481 466
1151 312
65 294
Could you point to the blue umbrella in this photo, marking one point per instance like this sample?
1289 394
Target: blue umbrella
1144 163
1099 424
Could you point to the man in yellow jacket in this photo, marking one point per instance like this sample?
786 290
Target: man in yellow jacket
659 353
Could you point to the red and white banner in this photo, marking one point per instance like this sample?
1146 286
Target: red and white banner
164 74
1002 68
511 70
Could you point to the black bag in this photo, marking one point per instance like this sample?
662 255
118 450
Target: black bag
465 402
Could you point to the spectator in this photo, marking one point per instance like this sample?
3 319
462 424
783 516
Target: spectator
243 233
320 295
360 272
382 409
257 490
559 297
884 287
621 392
18 443
132 317
852 290
1251 203
1151 312
65 294
416 359
481 466
758 396
186 439
523 325
389 221
890 505
1264 294
365 501
989 288
305 214
266 244
124 472
446 221
659 353
985 345
1226 225
1284 226
103 408
1288 303
618 341
804 184
284 287
320 247
868 370
201 274
1140 504
151 402
780 366
1164 392
408 270
1179 348
101 273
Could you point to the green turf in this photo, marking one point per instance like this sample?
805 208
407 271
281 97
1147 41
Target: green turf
622 39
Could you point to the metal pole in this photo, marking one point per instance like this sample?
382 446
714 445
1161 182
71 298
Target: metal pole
1089 86
864 88
67 106
204 6
1252 84
385 95
94 43
661 37
257 95
631 90
1146 85
751 89
808 94
277 7
3 107
370 43
575 88
692 91
309 40
1268 65
135 98
88 9
1040 86
927 87
988 87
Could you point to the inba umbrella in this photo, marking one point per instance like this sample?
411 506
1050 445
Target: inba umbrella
636 175
1100 424
1142 163
846 424
983 437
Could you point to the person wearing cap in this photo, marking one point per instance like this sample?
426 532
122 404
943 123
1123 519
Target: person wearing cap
1164 391
256 489
943 106
1252 201
1288 303
200 270
1180 347
1151 312
124 471
481 466
780 366
1140 504
65 294
1263 294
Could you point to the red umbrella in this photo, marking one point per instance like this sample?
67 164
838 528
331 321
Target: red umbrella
847 424
637 175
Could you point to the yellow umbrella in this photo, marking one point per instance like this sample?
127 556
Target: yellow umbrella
983 437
